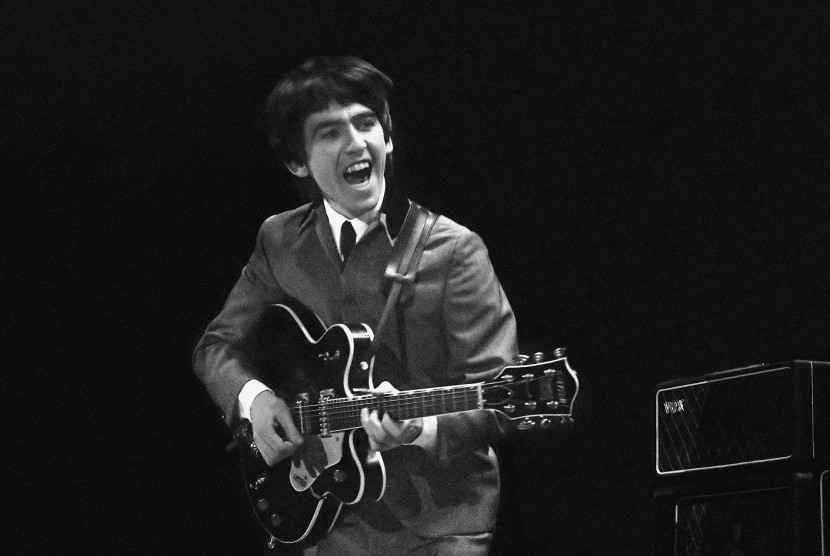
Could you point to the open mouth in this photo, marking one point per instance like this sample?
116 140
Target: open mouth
358 172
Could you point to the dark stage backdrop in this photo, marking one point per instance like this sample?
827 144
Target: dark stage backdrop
650 181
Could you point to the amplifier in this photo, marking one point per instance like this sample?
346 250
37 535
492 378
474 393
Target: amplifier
776 414
764 513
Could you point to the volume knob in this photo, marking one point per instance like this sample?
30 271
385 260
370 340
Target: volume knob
259 483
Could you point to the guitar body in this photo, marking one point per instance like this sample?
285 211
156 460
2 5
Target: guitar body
298 500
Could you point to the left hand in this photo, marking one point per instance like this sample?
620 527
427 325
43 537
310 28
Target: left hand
388 433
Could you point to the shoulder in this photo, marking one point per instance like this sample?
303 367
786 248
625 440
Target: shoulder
280 231
450 234
284 226
455 245
289 220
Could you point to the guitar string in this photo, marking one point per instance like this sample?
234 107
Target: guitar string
417 395
441 393
343 418
399 395
404 396
339 407
431 391
397 403
341 411
347 421
403 403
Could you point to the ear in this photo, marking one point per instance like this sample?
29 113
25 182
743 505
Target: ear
299 170
389 145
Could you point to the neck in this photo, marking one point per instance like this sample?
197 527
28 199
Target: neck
367 215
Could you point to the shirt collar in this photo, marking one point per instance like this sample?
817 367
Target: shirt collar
361 224
392 208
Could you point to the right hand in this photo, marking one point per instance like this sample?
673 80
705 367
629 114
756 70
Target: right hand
275 435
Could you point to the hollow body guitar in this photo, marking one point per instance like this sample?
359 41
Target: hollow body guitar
329 371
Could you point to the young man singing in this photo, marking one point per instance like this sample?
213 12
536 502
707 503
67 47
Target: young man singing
329 123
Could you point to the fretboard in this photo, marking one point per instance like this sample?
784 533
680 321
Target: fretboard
341 414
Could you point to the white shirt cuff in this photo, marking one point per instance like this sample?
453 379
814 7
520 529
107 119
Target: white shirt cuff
429 434
251 390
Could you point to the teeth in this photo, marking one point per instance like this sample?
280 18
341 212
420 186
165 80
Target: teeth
357 167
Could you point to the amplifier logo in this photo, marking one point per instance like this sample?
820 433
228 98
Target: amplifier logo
674 406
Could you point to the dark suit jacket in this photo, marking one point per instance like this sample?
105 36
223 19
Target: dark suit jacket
455 325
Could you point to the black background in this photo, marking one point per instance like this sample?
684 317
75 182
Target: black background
650 181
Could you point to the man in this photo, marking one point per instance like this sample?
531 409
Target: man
329 123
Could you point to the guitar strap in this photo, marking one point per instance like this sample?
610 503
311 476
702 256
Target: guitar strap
403 262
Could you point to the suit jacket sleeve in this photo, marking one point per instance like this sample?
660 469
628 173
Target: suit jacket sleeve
223 359
481 336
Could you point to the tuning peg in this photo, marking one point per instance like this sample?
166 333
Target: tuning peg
526 424
521 359
559 352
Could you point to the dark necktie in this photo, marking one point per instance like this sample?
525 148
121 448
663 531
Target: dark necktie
347 239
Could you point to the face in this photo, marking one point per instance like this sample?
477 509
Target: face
346 156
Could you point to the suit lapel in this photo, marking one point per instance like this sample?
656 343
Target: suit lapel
325 235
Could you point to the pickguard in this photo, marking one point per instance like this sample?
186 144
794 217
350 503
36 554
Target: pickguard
306 468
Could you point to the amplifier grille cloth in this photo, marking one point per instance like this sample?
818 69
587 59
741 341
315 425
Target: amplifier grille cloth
756 522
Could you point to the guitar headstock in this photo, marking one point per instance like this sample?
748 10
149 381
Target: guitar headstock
538 392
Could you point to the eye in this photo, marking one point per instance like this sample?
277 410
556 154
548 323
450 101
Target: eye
367 123
328 133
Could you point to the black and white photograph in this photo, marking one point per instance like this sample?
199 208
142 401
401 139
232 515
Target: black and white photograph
335 278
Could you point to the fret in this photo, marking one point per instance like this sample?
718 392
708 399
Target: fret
344 413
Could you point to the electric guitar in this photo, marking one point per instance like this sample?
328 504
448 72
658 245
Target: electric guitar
298 500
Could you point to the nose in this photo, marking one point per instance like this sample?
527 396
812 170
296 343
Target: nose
354 140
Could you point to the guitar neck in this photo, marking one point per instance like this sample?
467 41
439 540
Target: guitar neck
342 414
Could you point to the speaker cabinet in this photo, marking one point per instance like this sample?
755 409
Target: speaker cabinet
742 459
772 513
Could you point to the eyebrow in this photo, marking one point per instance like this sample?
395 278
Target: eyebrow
335 121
